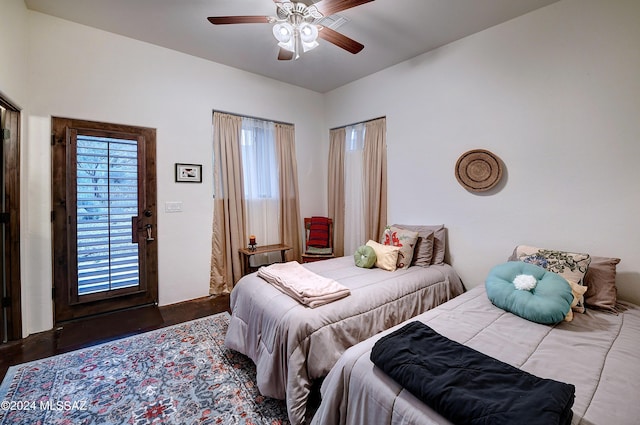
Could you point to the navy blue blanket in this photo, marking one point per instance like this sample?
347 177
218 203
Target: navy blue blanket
466 386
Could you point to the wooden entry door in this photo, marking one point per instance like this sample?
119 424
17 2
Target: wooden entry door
10 286
104 217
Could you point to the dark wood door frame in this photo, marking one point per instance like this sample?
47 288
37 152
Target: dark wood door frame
62 129
12 300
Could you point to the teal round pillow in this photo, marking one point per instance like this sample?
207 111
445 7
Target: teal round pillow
365 257
529 291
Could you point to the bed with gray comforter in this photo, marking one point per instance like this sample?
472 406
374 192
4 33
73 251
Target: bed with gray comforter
596 352
293 345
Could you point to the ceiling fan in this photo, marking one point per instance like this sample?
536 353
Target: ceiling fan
296 25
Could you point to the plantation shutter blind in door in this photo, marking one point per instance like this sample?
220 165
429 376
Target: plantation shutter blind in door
107 199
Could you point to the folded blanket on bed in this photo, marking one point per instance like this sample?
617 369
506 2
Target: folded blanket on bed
303 285
467 386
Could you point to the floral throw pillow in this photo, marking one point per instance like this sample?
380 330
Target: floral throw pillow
404 239
570 265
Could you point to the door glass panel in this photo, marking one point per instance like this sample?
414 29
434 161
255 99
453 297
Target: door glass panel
107 199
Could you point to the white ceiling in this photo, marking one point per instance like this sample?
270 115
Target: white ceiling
392 31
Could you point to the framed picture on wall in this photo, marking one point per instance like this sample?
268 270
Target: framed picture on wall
189 173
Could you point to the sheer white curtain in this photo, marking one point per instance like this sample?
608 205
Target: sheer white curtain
260 172
354 222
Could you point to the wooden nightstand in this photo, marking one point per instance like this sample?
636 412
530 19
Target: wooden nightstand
246 253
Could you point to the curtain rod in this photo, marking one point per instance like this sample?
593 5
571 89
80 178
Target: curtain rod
361 122
249 116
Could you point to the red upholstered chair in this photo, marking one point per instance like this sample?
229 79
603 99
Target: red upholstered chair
319 239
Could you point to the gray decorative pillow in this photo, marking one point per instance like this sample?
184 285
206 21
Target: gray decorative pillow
428 235
423 252
439 244
600 280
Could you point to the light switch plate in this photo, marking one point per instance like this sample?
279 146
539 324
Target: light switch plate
173 206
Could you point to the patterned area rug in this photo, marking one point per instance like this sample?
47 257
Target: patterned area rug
177 375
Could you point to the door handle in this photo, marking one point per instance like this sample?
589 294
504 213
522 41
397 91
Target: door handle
135 221
136 227
149 229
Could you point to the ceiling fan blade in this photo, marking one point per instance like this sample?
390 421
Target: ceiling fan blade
340 40
285 55
224 20
331 7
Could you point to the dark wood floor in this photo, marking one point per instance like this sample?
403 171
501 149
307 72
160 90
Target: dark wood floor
86 332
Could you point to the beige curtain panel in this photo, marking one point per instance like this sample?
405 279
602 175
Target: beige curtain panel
288 186
375 178
335 187
229 209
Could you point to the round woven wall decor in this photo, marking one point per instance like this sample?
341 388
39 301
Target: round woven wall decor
478 170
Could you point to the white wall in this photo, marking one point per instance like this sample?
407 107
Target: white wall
13 47
556 95
14 86
80 72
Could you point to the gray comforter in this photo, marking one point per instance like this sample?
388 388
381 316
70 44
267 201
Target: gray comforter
596 352
292 345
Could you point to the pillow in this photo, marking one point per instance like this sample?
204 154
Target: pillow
319 232
405 239
313 250
578 296
439 246
437 234
570 265
530 291
386 256
600 280
423 251
365 257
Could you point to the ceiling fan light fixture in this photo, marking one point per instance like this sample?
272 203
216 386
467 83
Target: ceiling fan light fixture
283 32
308 36
306 46
294 29
309 46
296 38
290 46
308 33
297 25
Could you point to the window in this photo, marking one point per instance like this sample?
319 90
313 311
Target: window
259 159
260 175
